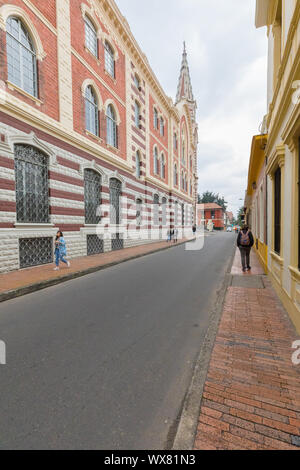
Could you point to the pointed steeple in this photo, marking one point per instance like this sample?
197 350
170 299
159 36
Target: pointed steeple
184 90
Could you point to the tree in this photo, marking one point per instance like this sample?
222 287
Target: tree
241 216
209 197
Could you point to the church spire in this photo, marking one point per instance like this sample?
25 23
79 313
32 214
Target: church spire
184 90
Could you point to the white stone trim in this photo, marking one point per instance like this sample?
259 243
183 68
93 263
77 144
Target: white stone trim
31 139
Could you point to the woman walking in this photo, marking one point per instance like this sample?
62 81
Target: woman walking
60 250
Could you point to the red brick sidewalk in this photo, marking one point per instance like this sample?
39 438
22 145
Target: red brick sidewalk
12 281
251 397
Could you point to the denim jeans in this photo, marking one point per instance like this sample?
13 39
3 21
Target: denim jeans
59 257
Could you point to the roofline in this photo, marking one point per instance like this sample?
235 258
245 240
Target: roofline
261 13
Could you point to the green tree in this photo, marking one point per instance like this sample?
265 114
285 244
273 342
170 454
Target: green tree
241 216
209 197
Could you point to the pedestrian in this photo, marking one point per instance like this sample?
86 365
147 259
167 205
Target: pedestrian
172 234
169 236
194 229
60 250
175 235
245 242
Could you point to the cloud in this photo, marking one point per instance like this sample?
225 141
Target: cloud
228 63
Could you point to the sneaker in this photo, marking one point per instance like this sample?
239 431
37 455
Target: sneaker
244 270
56 269
68 264
249 268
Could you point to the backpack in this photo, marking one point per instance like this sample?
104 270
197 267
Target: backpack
245 238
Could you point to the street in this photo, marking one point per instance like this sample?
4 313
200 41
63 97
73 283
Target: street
104 361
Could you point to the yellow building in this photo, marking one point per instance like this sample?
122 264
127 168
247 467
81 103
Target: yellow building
273 192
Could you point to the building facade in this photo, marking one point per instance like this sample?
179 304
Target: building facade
89 141
211 212
273 193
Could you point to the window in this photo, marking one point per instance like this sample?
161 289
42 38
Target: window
138 165
156 210
32 198
164 212
183 149
191 188
115 190
155 123
162 127
109 59
91 111
137 113
91 40
112 129
155 161
176 214
137 82
175 175
92 196
21 57
139 203
175 141
277 211
182 181
162 167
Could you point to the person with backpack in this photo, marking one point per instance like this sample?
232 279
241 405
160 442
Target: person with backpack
245 242
60 250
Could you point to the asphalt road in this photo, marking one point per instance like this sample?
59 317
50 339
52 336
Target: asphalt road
104 361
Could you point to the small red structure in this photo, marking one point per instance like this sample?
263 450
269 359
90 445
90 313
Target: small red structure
211 211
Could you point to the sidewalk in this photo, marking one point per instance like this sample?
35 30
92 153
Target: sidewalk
251 396
16 283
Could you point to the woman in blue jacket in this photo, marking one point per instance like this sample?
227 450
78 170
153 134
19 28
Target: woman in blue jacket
60 250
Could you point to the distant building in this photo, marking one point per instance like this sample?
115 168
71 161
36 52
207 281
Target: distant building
211 211
229 218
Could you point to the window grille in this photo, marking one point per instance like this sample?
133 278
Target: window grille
32 192
35 251
92 196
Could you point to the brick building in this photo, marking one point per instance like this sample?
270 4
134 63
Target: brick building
88 138
211 211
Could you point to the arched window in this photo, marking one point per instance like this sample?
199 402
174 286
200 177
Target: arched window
156 210
112 129
182 180
109 59
137 113
164 212
155 161
92 196
139 215
162 167
176 214
175 141
138 165
91 40
155 117
137 82
175 175
162 127
32 192
183 148
91 111
185 183
21 57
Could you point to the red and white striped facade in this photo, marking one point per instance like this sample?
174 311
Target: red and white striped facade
54 123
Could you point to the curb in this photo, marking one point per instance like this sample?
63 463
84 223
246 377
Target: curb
188 421
21 291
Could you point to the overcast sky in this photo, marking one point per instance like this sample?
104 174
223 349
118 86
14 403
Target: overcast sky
228 65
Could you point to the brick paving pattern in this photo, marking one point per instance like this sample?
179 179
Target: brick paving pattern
251 398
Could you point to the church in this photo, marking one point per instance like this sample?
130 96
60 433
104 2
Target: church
89 141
